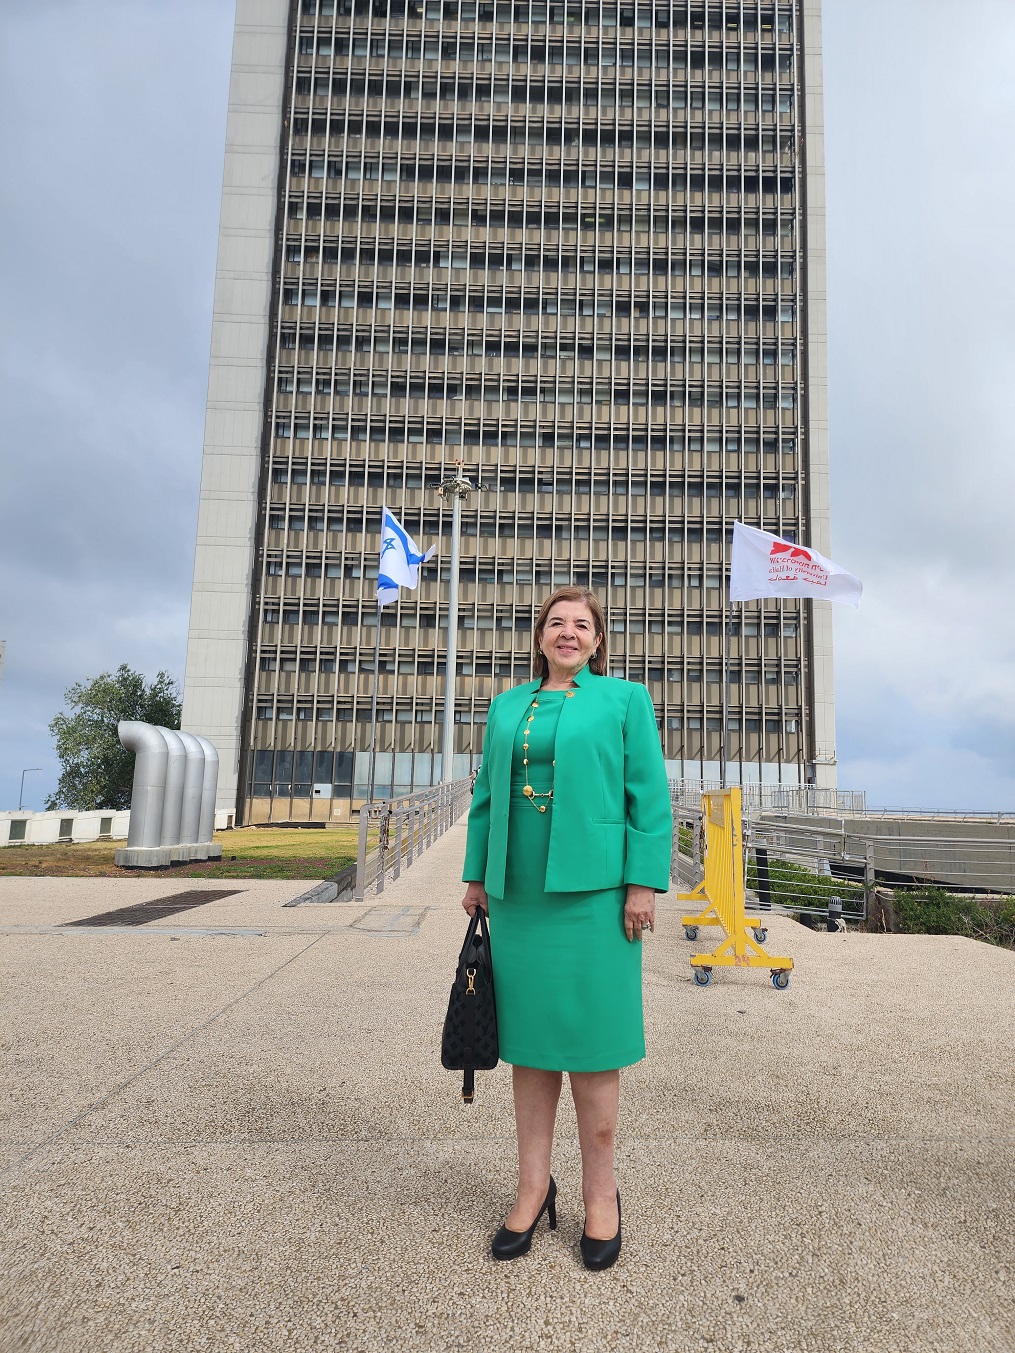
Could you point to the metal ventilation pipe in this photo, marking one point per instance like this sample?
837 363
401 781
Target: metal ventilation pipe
176 770
172 808
209 792
193 789
148 796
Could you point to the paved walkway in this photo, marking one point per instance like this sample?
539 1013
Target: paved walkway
229 1129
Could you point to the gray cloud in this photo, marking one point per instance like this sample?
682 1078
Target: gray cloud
920 186
110 191
110 197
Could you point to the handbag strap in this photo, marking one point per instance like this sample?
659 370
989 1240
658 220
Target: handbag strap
476 924
469 1006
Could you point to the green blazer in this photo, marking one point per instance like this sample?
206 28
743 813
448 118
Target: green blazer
612 822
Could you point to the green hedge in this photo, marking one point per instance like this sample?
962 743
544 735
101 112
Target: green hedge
793 886
920 911
932 911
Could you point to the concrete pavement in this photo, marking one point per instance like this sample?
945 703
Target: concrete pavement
229 1129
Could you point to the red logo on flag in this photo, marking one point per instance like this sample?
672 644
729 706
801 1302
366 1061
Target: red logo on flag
792 563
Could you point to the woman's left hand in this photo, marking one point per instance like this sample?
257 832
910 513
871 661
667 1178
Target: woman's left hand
639 911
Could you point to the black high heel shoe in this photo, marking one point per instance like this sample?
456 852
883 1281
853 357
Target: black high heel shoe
511 1244
600 1254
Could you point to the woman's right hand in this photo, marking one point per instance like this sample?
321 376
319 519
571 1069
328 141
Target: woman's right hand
475 896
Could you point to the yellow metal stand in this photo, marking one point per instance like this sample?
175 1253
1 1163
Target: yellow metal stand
722 890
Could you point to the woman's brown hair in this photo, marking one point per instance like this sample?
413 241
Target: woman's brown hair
597 663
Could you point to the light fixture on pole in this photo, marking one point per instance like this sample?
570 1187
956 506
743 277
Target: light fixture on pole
454 490
30 771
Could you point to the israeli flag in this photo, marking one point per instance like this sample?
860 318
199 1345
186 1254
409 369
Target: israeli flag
400 560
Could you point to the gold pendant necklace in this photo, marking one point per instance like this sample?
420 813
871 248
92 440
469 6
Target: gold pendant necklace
527 789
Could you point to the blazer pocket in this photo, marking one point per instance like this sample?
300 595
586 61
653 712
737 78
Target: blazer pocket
614 832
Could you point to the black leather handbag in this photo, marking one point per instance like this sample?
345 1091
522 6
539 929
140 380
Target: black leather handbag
469 1042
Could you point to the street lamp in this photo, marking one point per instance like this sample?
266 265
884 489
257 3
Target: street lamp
455 490
21 797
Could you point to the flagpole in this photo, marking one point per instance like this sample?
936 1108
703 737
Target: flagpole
401 571
457 488
767 565
723 756
373 703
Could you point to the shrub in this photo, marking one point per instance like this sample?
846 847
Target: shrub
932 911
794 886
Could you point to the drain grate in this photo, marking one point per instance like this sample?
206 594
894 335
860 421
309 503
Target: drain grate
158 909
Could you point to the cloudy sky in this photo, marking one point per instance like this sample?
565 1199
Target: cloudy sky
112 169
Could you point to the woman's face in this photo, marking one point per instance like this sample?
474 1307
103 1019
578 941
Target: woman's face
569 637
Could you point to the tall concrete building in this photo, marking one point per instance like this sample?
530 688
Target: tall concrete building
578 247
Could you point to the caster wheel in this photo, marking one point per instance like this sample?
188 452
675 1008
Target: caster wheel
690 932
702 977
761 935
780 980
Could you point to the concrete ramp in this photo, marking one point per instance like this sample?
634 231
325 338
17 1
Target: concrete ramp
233 1131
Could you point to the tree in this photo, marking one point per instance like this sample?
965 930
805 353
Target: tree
96 771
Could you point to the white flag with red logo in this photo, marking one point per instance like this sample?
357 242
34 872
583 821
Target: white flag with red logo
764 565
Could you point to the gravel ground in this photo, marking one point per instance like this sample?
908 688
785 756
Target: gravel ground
229 1129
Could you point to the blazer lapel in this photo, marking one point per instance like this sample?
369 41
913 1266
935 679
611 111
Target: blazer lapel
513 704
585 681
513 701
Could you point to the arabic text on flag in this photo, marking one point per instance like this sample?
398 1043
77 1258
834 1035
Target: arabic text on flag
765 565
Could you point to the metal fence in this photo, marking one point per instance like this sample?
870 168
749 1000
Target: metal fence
395 832
792 875
822 873
952 857
815 864
687 868
775 798
984 815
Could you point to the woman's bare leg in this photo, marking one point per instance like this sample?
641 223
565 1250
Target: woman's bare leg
597 1101
536 1095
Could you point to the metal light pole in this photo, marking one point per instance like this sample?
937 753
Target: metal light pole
30 771
724 751
454 490
373 707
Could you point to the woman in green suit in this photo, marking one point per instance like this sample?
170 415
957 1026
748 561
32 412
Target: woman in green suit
569 840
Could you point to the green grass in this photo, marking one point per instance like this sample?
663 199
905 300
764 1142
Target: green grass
247 853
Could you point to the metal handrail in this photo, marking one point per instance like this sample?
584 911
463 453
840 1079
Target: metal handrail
857 850
815 799
395 832
688 865
784 798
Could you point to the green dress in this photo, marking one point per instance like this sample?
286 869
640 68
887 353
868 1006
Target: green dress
566 977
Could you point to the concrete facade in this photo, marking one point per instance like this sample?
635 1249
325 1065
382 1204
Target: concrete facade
226 534
46 829
820 706
579 248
